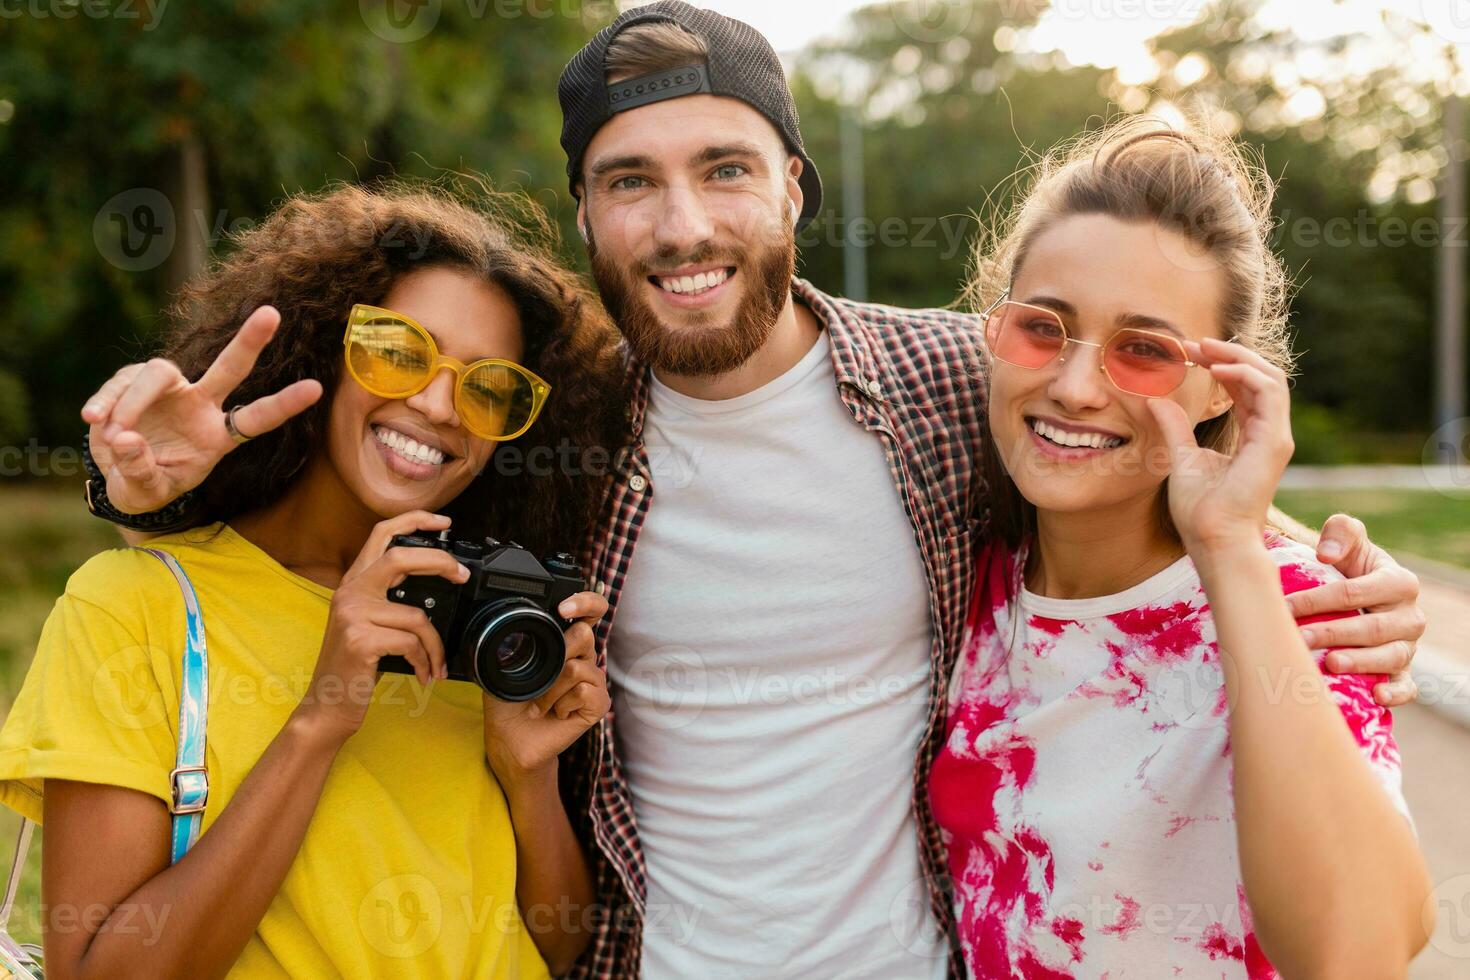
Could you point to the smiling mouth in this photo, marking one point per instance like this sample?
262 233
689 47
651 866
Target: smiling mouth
410 449
693 285
1073 440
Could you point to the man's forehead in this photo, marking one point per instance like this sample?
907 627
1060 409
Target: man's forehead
674 131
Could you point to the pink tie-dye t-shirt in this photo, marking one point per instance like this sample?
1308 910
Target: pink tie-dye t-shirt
1084 788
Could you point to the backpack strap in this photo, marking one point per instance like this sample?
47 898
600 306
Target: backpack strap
189 781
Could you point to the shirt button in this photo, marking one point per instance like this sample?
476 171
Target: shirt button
875 389
637 483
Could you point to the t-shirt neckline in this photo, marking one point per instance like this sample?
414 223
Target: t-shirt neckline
256 553
1155 587
820 352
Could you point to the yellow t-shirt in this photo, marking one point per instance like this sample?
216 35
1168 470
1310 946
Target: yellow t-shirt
408 866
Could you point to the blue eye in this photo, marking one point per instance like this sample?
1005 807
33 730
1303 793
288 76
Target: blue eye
729 171
628 183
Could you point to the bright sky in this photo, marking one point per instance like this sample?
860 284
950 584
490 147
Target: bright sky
1107 33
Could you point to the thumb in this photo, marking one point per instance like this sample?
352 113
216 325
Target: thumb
1174 426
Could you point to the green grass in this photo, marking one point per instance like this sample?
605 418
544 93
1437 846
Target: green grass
1426 523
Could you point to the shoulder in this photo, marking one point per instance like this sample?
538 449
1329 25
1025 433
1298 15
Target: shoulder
129 584
949 336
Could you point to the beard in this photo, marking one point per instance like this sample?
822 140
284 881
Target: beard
701 346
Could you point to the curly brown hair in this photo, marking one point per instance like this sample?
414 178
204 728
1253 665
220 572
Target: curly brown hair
318 254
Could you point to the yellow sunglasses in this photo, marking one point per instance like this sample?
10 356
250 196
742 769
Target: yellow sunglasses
393 356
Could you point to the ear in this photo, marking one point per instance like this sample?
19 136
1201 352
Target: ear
582 215
1220 402
794 168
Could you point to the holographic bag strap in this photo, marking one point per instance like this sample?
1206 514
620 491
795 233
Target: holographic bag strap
189 781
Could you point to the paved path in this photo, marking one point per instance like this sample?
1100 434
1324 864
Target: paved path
1436 755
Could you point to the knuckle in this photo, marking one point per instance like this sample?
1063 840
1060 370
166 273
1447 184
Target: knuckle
1407 581
1417 622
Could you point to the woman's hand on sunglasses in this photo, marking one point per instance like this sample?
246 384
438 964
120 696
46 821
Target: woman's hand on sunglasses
156 435
1214 499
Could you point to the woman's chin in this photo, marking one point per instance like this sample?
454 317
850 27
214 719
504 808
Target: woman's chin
394 486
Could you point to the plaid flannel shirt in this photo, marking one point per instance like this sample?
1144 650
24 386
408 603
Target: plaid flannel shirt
913 379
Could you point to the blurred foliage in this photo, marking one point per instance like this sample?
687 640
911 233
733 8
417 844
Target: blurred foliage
1348 124
274 98
262 99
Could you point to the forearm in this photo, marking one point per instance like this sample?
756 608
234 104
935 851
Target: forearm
1306 802
212 900
553 882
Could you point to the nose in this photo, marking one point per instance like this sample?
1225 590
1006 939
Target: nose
435 401
683 222
1078 383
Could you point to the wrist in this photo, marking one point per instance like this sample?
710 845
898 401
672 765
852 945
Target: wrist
1223 543
519 780
316 730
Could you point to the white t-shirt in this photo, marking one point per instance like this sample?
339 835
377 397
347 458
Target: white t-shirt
769 665
1084 787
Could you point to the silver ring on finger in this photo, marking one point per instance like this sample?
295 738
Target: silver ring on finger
234 430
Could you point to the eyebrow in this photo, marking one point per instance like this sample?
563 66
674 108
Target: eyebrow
724 151
609 164
1141 321
708 154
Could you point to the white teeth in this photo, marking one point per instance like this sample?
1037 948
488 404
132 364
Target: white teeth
409 448
693 284
1073 440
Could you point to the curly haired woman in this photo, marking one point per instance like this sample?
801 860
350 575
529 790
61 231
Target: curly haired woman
357 824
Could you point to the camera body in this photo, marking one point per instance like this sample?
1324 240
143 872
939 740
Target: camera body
500 628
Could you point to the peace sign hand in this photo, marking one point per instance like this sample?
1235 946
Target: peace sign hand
156 435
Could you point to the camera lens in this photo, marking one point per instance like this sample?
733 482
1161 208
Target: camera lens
516 649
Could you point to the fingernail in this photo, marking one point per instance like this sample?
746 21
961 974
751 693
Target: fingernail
1331 549
1309 638
92 408
566 608
1339 663
464 572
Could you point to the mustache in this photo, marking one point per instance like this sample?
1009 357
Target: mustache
664 263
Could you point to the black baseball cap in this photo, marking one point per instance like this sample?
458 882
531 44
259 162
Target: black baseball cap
741 64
